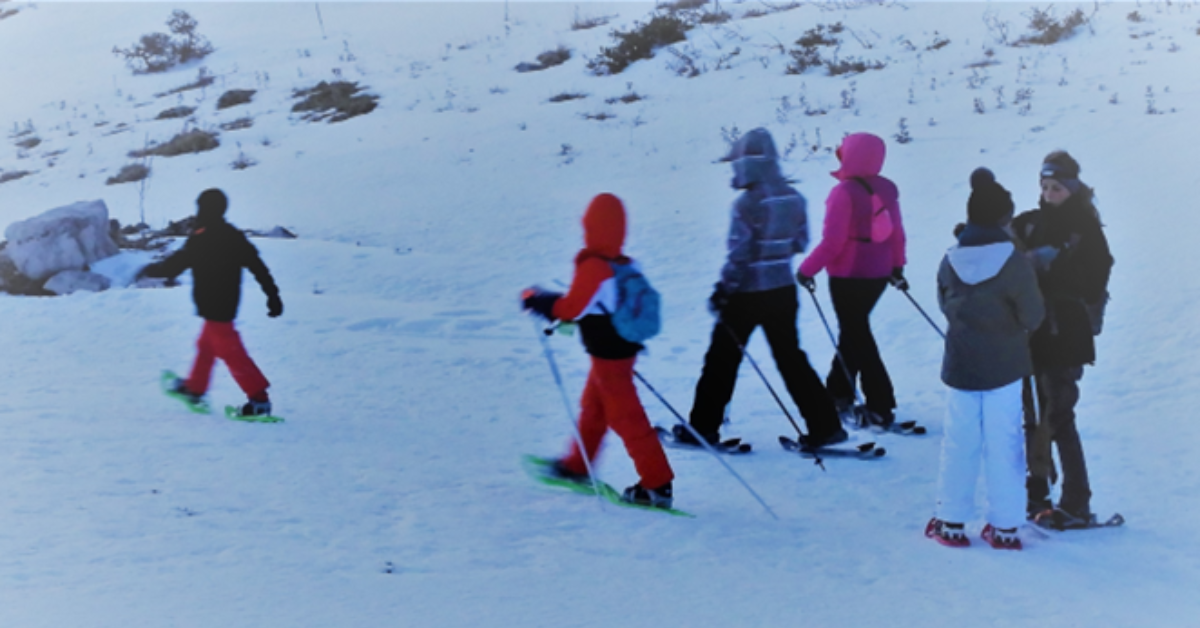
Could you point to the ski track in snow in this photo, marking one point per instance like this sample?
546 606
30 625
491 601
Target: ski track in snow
411 383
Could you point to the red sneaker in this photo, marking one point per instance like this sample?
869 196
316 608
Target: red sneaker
1005 539
948 534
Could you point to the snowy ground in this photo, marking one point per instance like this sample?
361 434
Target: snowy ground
412 385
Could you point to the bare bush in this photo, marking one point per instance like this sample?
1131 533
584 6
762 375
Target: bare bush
235 97
547 59
129 174
566 96
156 52
29 142
852 65
203 79
240 123
1049 30
13 175
336 102
175 112
187 142
639 43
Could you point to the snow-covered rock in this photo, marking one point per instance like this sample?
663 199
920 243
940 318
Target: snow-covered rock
66 238
69 281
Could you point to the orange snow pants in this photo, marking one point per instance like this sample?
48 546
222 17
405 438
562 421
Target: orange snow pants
610 401
221 340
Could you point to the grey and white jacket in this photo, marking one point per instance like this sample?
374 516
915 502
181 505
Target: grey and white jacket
769 222
989 293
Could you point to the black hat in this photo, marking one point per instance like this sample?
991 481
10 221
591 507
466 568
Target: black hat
1062 167
990 205
211 206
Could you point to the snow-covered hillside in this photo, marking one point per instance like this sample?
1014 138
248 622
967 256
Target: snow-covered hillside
411 383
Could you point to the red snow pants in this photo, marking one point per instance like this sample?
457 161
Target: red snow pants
610 401
221 340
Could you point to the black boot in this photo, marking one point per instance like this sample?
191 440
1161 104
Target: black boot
1037 492
655 498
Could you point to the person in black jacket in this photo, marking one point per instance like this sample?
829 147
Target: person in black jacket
216 253
1065 241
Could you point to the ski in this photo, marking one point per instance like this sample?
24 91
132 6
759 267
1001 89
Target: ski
232 412
539 469
730 446
1046 523
863 451
167 381
857 419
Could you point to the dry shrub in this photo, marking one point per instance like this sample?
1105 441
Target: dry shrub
639 43
565 96
235 97
5 177
240 123
129 174
1049 30
175 112
193 141
335 101
29 142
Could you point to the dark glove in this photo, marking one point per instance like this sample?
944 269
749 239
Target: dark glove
719 299
274 306
144 271
809 283
540 301
897 279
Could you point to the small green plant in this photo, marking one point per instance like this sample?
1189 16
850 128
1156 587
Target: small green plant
187 142
235 97
129 174
157 52
639 43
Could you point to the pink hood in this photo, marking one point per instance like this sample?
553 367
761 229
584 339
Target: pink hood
862 155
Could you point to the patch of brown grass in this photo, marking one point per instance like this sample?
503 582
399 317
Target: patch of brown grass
193 141
129 174
335 101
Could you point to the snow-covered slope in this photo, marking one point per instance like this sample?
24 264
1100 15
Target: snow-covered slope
411 383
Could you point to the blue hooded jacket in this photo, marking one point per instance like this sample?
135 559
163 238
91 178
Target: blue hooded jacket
770 219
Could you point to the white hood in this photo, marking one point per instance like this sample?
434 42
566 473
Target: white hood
977 264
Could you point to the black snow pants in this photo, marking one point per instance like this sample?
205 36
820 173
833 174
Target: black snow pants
775 311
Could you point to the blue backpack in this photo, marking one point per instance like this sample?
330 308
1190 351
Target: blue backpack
636 318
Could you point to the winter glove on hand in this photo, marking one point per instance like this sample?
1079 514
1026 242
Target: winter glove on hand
897 279
274 306
718 300
958 229
144 271
540 301
1042 257
809 283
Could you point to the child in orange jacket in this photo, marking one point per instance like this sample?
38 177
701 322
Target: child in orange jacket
609 398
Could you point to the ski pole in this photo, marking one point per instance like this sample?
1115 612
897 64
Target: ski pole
700 439
570 413
837 352
742 348
922 311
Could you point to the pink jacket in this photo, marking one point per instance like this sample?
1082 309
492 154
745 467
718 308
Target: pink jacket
843 251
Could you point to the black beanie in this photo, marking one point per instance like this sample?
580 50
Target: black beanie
211 205
990 204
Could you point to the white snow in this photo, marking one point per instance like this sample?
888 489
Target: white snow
412 384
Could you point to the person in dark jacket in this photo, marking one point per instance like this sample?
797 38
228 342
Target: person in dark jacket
989 294
757 289
1065 241
216 252
610 399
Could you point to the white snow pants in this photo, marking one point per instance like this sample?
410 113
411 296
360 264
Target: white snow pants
986 423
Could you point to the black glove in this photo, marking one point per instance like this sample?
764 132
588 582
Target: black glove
897 279
809 283
144 271
540 301
719 299
274 306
